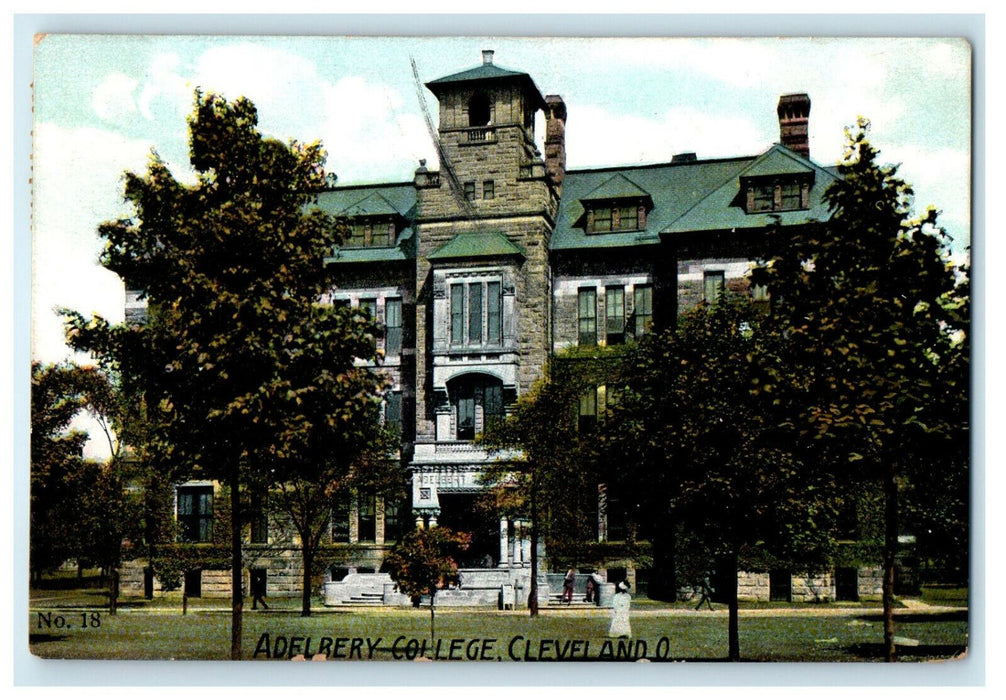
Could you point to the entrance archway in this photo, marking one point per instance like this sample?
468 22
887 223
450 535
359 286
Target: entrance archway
461 512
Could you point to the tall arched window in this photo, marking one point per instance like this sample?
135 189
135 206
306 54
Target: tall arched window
478 110
477 400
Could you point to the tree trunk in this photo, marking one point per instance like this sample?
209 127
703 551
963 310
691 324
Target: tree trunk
113 592
305 601
734 653
532 597
663 584
890 550
433 631
237 601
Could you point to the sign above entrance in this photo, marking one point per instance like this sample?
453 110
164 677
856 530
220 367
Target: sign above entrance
452 480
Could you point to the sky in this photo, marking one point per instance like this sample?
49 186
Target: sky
102 103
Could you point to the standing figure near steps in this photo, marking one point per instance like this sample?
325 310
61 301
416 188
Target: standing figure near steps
567 587
620 612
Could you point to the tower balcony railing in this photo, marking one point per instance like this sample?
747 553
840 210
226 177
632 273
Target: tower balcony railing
481 134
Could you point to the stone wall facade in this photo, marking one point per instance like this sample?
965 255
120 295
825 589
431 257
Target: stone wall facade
808 587
494 182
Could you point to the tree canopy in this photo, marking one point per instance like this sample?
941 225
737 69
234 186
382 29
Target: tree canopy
246 375
425 561
706 451
79 508
875 319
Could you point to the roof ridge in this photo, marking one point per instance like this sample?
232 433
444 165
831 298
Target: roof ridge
663 164
362 185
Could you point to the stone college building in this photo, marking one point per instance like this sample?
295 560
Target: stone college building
480 272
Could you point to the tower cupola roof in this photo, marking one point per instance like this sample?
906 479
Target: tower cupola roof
484 72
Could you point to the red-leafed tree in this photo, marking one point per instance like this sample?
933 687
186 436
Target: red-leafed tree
425 561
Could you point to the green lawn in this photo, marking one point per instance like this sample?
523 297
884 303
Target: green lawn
945 595
158 630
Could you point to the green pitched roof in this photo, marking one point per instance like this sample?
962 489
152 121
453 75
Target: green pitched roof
369 255
476 244
372 205
778 160
486 71
395 199
695 196
616 187
721 208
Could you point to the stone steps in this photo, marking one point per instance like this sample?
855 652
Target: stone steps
555 601
365 598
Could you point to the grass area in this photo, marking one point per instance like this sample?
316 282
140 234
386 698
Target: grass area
956 596
160 631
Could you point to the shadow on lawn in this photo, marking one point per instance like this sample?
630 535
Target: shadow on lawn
97 606
955 616
944 652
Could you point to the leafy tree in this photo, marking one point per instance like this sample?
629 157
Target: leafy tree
304 491
875 374
425 561
79 508
56 460
548 461
705 448
240 366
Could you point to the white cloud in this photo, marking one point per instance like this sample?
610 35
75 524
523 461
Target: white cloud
941 178
78 184
113 99
948 58
164 85
736 62
599 137
370 134
285 88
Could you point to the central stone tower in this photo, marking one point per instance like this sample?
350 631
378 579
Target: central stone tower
483 226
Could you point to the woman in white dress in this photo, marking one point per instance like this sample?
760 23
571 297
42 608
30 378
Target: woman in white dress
620 613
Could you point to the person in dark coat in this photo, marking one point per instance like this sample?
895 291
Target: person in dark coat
567 587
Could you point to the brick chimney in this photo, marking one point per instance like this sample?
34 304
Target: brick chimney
487 57
794 118
555 140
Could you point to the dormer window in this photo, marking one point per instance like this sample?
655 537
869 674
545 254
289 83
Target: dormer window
617 204
776 195
616 216
371 233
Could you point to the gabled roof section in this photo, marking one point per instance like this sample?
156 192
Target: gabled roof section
688 197
672 187
778 160
360 200
393 199
618 186
476 244
372 205
721 207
